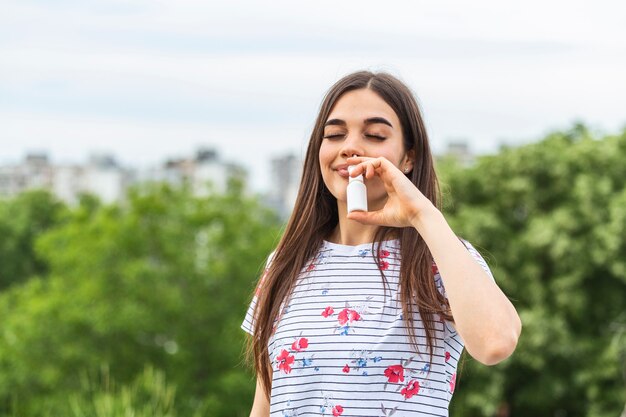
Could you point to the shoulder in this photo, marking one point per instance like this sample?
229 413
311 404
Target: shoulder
261 281
270 258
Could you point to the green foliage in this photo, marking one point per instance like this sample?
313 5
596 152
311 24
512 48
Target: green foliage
150 293
551 219
148 396
22 219
161 280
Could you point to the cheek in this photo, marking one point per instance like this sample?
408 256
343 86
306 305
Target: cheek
323 161
325 157
393 156
375 187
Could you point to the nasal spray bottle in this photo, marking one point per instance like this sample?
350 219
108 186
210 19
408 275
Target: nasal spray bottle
357 193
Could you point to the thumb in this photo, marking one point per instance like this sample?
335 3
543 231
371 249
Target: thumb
366 217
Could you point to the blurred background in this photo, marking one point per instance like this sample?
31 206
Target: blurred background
151 152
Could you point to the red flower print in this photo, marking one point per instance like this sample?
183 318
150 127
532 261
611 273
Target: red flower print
395 373
337 410
412 388
354 316
348 314
343 316
328 311
383 253
447 356
384 265
300 344
434 269
453 382
310 267
346 368
284 361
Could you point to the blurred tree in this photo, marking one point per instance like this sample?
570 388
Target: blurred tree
149 395
22 220
161 280
550 218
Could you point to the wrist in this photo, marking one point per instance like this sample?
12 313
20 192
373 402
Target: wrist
426 216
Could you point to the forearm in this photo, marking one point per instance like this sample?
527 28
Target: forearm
483 315
261 405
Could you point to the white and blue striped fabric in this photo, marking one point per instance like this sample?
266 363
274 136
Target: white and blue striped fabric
340 347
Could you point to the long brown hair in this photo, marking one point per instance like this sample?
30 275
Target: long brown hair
315 216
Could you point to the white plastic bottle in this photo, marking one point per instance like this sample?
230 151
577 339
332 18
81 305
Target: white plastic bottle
357 193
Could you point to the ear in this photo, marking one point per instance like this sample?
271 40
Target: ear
408 161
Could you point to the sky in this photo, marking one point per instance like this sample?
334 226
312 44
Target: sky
151 80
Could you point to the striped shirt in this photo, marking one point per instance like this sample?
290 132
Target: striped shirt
341 348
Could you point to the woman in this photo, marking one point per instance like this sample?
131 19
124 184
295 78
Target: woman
366 313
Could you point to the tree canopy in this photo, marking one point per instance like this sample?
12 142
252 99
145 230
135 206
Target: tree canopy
134 308
550 218
159 281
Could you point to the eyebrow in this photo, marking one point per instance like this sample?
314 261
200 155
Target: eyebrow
370 121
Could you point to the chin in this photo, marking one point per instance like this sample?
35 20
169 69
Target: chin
340 196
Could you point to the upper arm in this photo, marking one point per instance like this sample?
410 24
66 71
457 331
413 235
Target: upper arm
261 405
450 327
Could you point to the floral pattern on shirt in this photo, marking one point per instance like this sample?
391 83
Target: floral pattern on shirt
285 360
348 316
327 313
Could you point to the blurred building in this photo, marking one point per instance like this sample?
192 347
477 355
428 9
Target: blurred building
460 151
34 172
286 172
103 177
204 172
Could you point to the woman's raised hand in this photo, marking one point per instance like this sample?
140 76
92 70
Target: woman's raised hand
405 203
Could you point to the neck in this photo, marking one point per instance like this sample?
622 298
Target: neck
350 232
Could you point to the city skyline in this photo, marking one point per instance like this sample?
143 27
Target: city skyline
103 176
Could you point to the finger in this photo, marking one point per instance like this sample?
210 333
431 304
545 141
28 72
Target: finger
358 170
359 160
361 168
370 218
367 166
353 160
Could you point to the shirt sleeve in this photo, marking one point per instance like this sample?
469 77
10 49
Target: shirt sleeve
477 257
249 320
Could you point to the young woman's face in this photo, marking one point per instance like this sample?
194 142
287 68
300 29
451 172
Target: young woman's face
361 123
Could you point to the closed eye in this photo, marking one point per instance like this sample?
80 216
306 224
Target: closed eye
368 136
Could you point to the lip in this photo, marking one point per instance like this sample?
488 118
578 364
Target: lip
342 170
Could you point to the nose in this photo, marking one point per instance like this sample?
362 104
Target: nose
352 145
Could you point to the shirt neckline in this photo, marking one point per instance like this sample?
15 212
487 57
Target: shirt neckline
361 246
